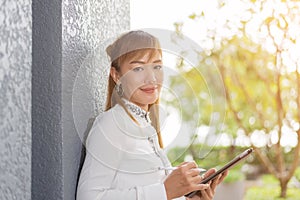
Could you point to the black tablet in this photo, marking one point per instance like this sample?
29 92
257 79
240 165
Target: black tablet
230 164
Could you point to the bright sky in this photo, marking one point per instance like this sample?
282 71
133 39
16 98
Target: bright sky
163 14
160 14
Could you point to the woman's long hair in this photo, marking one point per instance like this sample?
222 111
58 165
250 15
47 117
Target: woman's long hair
132 45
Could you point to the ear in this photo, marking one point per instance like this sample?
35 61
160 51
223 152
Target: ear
114 74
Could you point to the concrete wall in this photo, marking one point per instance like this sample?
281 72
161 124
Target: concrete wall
47 176
15 99
87 26
47 98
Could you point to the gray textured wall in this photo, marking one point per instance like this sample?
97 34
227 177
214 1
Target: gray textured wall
49 69
47 176
15 99
66 35
87 25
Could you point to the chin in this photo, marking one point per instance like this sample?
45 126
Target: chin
151 100
146 100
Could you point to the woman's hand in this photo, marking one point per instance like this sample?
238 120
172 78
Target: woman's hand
208 194
184 180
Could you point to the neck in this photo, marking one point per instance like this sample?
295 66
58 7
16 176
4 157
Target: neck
138 110
145 107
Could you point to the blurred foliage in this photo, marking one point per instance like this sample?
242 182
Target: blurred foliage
297 174
250 80
269 180
220 155
234 176
261 81
215 158
270 193
270 190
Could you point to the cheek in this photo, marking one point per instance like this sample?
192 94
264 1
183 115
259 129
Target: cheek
160 77
132 82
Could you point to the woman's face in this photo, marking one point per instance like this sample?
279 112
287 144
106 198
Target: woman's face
141 79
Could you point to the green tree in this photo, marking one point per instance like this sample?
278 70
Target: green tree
260 73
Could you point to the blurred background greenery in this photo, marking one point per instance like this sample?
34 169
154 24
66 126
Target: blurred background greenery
256 52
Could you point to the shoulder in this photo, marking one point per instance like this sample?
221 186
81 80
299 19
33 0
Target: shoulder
111 116
109 123
105 129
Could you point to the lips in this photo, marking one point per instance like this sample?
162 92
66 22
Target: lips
149 90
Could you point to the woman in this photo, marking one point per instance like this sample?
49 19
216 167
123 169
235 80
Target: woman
124 158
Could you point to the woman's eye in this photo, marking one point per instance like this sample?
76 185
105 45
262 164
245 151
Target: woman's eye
138 69
158 67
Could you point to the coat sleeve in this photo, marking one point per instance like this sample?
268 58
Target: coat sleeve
149 192
98 180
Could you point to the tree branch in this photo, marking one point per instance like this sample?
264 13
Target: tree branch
296 159
265 160
250 101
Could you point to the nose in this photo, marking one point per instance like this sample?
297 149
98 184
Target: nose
150 76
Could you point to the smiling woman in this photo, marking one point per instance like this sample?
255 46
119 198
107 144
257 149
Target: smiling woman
125 157
141 77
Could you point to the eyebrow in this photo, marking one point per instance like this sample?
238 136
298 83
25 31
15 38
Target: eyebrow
142 62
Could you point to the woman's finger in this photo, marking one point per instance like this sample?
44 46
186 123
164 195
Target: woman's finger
224 174
214 183
183 163
210 172
194 172
204 195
